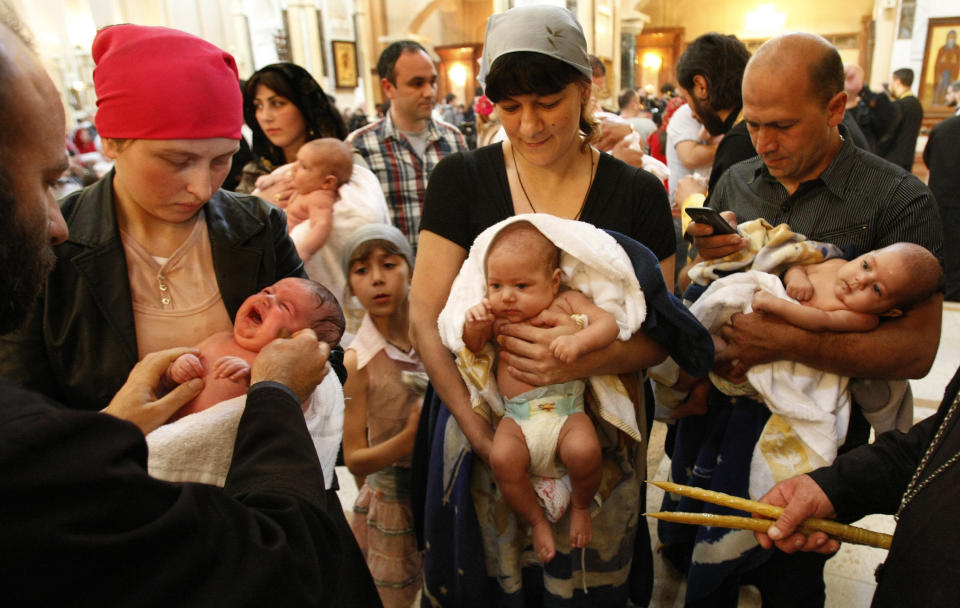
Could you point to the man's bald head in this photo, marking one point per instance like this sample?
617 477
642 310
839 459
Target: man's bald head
798 54
793 104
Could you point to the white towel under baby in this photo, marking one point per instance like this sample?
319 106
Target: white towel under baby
199 447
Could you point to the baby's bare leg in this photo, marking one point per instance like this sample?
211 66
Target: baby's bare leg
579 450
510 459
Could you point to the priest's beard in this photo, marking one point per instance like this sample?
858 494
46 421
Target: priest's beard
26 257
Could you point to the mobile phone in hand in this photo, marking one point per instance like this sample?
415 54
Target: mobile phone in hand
710 217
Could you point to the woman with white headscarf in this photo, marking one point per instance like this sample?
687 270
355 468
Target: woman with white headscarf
537 72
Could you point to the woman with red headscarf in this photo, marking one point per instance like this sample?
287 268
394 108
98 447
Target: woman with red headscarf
158 255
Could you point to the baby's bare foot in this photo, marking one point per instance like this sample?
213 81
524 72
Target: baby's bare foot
581 527
543 542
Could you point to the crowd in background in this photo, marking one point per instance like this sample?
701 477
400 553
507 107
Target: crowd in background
385 211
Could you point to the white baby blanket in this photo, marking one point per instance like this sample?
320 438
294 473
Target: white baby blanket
199 447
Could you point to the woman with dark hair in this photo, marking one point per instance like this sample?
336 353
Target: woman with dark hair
537 72
285 108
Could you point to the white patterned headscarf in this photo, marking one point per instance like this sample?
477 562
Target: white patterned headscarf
549 30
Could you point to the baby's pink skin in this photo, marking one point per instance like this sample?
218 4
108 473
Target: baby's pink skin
234 369
277 311
566 348
185 368
228 375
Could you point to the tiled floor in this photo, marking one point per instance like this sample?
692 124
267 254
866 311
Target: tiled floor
928 391
849 574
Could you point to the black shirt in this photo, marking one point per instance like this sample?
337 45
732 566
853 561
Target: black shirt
735 146
925 554
469 191
859 199
82 524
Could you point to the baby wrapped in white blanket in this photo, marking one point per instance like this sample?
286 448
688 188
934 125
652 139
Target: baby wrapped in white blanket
810 408
592 263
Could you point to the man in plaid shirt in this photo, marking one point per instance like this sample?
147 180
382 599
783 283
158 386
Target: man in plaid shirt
403 147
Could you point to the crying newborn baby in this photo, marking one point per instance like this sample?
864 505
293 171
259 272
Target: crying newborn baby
279 311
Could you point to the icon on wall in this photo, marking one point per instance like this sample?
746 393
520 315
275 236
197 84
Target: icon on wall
345 63
941 64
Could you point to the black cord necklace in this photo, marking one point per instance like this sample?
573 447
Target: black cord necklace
398 347
516 167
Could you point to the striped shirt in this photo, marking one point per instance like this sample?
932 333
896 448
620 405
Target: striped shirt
859 200
403 174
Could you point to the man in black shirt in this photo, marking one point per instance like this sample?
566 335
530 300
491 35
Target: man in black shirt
807 175
902 146
873 112
914 475
942 157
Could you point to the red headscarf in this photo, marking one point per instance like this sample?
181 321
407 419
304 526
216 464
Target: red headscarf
161 83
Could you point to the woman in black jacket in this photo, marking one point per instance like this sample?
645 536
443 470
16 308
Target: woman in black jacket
158 255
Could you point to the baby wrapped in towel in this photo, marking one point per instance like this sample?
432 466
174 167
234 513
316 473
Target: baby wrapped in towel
543 424
198 443
810 408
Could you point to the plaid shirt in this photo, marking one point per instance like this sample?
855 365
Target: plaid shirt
403 175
